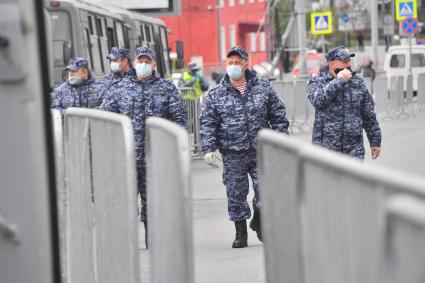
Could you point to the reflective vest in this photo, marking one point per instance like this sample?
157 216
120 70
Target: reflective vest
196 84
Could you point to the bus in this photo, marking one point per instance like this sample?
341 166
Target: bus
82 29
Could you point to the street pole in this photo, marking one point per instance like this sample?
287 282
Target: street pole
218 7
302 34
374 31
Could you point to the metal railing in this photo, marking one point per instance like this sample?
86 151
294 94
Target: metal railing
330 218
193 105
98 198
170 202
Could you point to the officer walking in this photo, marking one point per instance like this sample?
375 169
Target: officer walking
234 111
120 69
139 98
193 77
343 107
79 90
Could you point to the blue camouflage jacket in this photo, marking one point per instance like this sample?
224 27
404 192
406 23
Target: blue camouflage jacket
86 95
140 100
343 110
111 81
230 121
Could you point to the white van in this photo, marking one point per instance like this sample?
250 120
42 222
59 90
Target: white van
397 62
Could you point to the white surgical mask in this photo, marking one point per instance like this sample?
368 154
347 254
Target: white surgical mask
143 70
75 80
115 67
234 72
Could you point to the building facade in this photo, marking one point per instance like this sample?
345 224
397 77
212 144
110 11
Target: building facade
208 28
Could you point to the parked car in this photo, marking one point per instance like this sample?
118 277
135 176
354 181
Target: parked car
314 62
398 60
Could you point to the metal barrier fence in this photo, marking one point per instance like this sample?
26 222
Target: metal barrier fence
57 125
193 106
392 99
394 96
99 209
331 218
299 111
170 202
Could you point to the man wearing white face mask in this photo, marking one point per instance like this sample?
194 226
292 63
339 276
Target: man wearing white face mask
142 96
120 69
233 113
79 90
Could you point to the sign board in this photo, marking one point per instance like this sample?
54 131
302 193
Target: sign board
409 26
321 22
406 9
345 18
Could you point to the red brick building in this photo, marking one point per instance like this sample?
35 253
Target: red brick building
209 28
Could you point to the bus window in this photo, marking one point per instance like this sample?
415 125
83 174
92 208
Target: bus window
103 43
111 38
127 37
88 49
164 47
148 33
120 34
62 47
95 47
91 25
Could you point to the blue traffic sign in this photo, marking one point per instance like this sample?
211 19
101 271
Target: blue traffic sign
409 25
345 18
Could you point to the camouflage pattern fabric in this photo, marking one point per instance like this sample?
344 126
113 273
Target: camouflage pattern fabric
230 123
140 100
236 168
86 95
343 110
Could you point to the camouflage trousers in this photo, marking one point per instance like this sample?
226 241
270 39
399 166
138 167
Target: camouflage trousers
237 166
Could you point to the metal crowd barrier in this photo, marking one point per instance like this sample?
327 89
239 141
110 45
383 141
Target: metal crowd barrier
99 209
331 218
170 202
57 126
193 106
394 96
299 110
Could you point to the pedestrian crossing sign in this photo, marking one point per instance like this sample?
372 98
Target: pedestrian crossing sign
406 9
321 22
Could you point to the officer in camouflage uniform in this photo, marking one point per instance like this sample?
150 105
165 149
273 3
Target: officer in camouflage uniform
120 69
140 97
79 90
343 107
234 111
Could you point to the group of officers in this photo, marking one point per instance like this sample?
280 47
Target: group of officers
232 114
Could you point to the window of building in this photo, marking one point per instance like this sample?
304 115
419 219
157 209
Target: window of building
418 60
220 3
251 1
262 41
231 3
252 41
241 2
232 35
222 42
398 61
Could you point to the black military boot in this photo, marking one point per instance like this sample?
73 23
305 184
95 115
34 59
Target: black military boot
146 233
255 224
241 240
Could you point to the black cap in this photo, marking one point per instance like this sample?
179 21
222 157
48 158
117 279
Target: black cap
238 50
